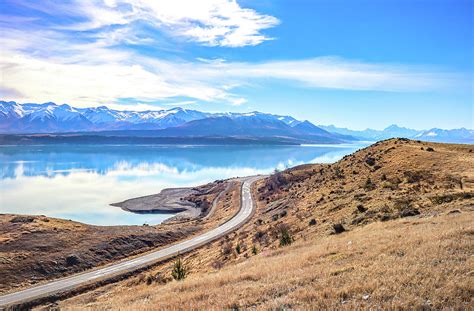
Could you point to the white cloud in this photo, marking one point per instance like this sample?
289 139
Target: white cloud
238 101
209 22
46 62
105 76
41 80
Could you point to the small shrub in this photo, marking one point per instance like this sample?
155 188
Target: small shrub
338 228
227 250
339 173
312 222
179 270
415 176
285 237
429 149
260 236
369 185
447 198
238 249
149 279
254 250
403 204
370 161
361 208
389 185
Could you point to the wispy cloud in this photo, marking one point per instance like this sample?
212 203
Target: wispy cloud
208 22
84 57
98 80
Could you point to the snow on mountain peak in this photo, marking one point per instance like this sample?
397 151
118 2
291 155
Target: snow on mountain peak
103 118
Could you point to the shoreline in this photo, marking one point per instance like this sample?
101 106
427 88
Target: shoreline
187 203
167 201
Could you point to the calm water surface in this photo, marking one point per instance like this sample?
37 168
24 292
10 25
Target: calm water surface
79 182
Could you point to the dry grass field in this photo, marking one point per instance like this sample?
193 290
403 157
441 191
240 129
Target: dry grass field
390 226
409 264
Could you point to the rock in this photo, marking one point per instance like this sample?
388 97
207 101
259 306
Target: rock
377 167
385 217
370 161
72 260
338 228
361 208
22 219
408 212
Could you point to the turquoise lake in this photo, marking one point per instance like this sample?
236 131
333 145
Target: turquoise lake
78 182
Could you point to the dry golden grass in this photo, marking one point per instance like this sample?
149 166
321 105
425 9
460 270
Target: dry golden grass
409 264
385 260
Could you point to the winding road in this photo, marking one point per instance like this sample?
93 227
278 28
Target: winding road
73 282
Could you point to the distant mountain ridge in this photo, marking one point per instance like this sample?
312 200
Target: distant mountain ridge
461 135
50 118
175 123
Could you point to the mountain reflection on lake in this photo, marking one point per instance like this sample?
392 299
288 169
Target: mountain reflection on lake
79 182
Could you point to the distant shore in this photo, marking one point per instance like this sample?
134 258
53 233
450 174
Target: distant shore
44 139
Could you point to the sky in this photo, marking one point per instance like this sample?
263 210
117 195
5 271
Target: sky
352 63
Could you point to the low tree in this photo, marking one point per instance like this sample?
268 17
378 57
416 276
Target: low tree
179 270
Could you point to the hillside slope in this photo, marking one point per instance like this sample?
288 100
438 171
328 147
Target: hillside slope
390 226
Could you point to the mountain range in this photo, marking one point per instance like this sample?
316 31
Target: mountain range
50 118
461 135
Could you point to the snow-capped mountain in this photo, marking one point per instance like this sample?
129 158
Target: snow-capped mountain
50 118
461 135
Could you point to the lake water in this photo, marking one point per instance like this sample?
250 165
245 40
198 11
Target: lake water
78 182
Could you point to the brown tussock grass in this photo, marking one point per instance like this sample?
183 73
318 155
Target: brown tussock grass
407 264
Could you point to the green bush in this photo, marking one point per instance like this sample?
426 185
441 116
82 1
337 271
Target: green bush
179 270
285 237
254 250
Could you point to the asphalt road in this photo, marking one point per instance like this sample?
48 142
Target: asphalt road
73 282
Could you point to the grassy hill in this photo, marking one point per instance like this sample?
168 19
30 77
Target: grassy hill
390 226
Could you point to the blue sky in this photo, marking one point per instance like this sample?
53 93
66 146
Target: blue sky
355 64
